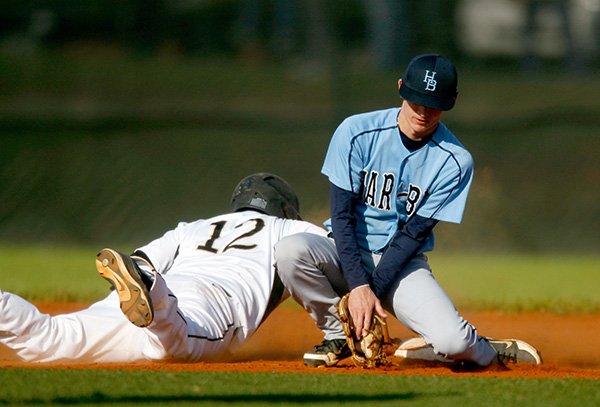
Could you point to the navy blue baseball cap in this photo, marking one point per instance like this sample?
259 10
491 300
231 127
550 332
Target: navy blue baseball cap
430 80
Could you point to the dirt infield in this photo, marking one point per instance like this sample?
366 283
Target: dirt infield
570 346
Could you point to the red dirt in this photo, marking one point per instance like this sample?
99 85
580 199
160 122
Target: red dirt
568 343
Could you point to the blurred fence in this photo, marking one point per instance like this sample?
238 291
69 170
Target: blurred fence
391 30
119 119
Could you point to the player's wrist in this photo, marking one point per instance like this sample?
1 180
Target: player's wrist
358 287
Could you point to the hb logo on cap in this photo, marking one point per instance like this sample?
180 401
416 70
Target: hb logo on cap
430 80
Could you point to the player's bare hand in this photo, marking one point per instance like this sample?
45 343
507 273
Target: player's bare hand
362 302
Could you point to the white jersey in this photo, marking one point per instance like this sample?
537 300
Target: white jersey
211 292
233 252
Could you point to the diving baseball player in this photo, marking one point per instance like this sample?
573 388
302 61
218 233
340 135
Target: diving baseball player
393 175
196 292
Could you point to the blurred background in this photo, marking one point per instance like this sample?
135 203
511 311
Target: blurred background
119 119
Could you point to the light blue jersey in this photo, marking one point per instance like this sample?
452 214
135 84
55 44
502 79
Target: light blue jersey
367 156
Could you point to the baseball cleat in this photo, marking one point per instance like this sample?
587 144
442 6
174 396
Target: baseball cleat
124 275
418 349
327 353
515 351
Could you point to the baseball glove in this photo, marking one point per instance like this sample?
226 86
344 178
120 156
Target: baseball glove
372 349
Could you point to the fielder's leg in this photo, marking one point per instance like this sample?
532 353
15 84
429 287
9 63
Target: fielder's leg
422 305
308 267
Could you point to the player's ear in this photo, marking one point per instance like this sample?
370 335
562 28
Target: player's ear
399 83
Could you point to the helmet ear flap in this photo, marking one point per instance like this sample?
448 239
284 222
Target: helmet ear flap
266 193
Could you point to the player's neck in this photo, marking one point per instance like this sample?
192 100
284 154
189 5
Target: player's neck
412 144
414 126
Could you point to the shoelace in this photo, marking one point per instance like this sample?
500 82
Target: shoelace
512 357
329 345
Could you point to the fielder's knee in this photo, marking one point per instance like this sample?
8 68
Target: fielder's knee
290 251
455 340
451 347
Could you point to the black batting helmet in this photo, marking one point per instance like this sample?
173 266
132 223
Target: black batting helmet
266 193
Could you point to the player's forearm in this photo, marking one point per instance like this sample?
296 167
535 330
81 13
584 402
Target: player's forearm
343 225
396 257
404 246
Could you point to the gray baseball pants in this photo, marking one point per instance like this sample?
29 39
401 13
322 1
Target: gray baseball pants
308 265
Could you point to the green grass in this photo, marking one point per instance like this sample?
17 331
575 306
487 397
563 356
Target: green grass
125 388
113 149
117 149
51 273
520 282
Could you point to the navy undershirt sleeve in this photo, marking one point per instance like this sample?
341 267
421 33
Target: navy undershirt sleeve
343 223
403 247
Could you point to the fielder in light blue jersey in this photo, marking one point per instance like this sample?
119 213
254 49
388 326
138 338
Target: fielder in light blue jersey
393 175
367 156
